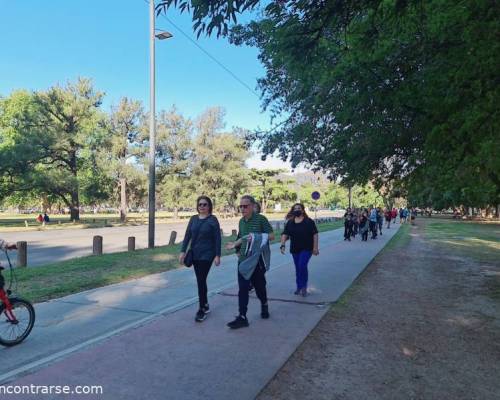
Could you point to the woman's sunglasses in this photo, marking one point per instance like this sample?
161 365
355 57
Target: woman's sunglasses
202 204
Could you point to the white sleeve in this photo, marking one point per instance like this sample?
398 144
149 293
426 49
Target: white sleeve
265 239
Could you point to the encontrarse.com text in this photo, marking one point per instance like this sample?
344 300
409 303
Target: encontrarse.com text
49 389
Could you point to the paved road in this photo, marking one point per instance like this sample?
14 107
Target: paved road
56 245
138 339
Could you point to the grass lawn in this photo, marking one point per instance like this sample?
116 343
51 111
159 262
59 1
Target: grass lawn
480 241
60 279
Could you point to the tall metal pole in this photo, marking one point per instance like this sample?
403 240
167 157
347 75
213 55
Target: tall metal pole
350 197
152 139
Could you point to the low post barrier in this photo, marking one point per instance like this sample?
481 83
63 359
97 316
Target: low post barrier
131 243
97 246
173 236
22 254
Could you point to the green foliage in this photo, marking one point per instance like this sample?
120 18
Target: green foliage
209 16
48 137
218 169
123 144
401 94
270 187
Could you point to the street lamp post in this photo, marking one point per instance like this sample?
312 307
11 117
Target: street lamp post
152 122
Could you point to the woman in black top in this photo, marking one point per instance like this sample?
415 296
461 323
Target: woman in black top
304 243
363 226
203 231
348 224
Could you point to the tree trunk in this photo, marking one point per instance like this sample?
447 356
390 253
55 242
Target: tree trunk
45 203
74 206
176 212
123 200
74 211
75 200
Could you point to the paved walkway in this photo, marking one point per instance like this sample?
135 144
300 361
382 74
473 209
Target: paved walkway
138 339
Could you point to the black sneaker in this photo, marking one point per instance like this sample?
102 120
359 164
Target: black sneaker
206 308
239 322
264 311
200 315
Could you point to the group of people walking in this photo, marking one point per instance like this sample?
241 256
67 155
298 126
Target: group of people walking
252 246
370 220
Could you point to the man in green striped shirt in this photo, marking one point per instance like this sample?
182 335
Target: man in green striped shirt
251 222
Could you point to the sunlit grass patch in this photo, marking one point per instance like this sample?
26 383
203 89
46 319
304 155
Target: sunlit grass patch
476 240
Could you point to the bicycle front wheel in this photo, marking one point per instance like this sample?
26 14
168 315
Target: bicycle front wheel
14 332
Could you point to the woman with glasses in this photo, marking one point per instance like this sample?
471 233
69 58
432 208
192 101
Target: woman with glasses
203 232
304 243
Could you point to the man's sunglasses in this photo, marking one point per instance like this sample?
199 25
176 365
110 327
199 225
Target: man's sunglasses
243 206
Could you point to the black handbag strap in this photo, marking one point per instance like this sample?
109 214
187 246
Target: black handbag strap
195 235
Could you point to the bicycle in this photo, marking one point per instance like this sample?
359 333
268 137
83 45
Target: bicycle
19 313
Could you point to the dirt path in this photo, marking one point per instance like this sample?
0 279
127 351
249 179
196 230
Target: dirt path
419 324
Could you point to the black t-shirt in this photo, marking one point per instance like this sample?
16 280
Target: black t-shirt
301 234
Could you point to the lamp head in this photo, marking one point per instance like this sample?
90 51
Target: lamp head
163 35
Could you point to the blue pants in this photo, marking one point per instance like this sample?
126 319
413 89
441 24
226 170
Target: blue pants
301 260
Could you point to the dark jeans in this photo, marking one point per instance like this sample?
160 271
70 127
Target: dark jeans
201 269
258 281
373 229
347 230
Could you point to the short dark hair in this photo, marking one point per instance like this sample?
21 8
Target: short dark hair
209 201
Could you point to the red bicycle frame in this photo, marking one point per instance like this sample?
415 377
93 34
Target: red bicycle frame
8 307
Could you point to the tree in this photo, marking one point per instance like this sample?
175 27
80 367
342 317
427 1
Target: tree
378 91
263 188
174 159
124 123
49 137
218 169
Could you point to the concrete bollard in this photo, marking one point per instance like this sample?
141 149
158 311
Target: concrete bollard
131 243
22 254
97 246
173 236
234 232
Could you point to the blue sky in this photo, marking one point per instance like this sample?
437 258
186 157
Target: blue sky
43 43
